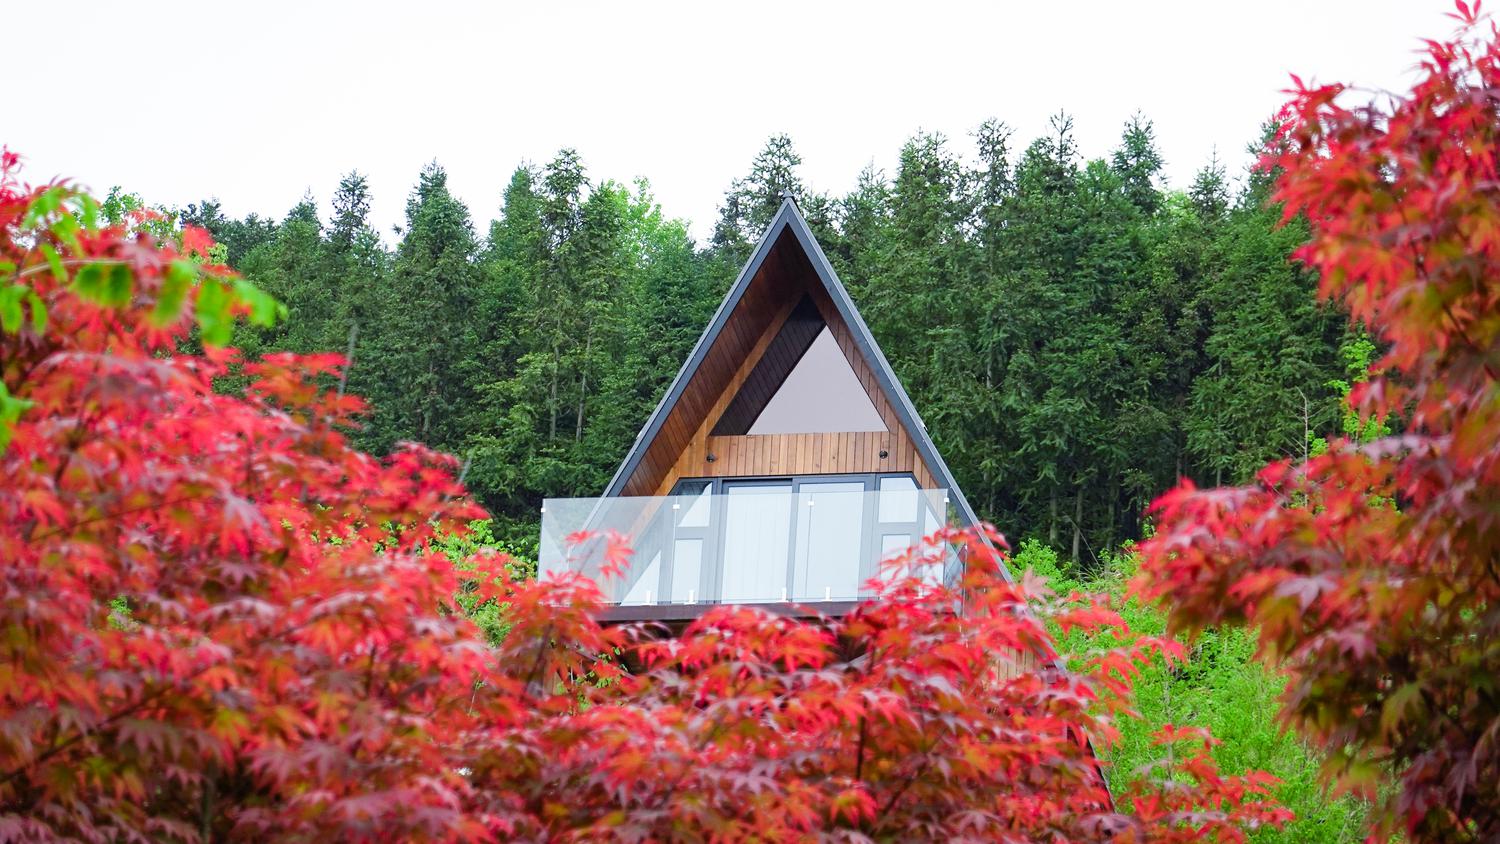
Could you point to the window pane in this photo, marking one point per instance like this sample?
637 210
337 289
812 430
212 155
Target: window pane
830 521
931 574
687 570
644 590
693 508
898 499
757 528
894 543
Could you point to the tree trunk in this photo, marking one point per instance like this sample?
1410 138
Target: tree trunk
1052 525
1077 522
1109 534
348 358
1306 426
583 388
427 405
208 805
552 401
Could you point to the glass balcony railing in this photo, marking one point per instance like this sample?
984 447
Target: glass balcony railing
755 542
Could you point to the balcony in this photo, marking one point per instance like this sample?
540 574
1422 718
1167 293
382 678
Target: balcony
788 542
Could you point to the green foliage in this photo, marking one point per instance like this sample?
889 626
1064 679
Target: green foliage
596 297
751 202
1076 336
1220 686
1358 351
512 562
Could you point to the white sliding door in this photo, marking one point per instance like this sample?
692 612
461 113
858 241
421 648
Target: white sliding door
757 534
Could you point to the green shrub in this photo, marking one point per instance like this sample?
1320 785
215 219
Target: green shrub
489 614
1220 687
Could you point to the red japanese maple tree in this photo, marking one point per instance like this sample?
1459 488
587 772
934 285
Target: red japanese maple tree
1373 571
220 621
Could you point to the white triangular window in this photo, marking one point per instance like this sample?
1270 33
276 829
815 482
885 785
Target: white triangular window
821 395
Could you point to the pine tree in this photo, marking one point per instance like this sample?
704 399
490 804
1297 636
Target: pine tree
994 188
864 220
429 327
288 266
989 437
515 270
1268 347
1210 191
357 268
238 237
1139 164
1041 241
922 279
752 201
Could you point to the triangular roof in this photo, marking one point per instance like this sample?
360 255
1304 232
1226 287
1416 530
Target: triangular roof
789 230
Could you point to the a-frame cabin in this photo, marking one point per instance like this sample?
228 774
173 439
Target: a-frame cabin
783 463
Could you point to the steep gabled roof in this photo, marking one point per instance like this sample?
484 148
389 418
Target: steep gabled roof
789 220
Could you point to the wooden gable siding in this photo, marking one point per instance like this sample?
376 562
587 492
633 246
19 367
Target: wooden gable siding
792 340
767 300
678 453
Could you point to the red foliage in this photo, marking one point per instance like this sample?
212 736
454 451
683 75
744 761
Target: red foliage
217 620
1373 571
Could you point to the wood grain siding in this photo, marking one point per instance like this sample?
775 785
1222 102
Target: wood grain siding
770 295
792 341
682 447
696 453
800 454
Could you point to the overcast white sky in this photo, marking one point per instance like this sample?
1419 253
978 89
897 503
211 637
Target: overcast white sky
259 102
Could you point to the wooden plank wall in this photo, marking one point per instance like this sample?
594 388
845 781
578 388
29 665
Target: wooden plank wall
803 454
673 456
767 300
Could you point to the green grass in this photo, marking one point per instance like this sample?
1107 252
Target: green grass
1221 687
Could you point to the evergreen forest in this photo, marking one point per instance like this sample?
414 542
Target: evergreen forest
1075 334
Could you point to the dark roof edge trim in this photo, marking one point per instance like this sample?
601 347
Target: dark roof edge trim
883 372
647 434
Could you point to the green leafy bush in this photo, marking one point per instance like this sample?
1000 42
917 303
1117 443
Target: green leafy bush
469 552
1220 687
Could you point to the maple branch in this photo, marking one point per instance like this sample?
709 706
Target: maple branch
208 802
67 263
708 736
79 736
26 259
541 652
68 528
370 669
859 753
907 784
